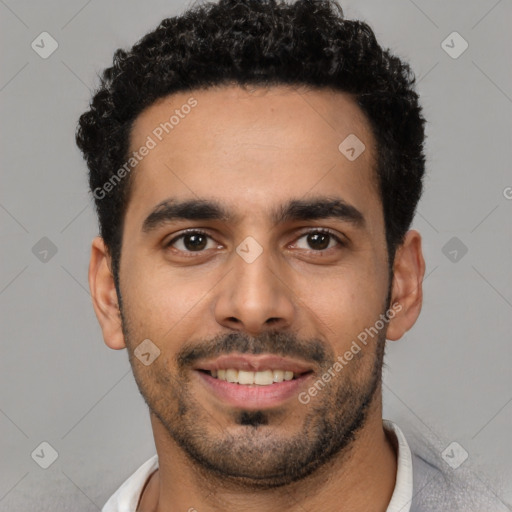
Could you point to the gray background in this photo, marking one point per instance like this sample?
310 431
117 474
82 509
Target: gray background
449 378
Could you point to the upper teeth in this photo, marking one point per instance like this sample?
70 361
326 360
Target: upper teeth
264 378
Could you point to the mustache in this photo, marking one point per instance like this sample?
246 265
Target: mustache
282 344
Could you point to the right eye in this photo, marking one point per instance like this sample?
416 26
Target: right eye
191 241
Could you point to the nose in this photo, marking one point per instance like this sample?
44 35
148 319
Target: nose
254 297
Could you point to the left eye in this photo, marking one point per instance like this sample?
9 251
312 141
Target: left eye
320 240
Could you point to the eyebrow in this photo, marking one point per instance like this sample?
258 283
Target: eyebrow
296 209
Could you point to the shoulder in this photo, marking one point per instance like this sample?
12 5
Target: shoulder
439 487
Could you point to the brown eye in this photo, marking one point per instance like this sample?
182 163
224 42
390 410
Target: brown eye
192 241
320 240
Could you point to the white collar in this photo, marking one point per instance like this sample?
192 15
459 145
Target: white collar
402 495
126 498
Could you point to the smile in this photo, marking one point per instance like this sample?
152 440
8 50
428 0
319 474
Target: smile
247 378
251 381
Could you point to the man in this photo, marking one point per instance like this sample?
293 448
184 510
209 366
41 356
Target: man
256 167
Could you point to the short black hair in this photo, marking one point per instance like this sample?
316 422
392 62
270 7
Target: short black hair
262 43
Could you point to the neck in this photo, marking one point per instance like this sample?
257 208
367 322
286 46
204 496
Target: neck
360 479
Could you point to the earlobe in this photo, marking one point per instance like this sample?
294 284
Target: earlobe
104 295
407 290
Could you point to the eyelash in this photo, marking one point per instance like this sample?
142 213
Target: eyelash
324 231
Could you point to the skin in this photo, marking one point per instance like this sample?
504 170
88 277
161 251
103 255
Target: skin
252 150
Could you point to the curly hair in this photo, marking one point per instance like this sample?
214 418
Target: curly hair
259 43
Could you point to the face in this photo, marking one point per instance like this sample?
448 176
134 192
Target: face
253 257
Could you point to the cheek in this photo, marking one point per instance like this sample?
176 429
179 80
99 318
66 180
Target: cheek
349 301
159 305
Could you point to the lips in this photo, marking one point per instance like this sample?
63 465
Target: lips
254 363
253 381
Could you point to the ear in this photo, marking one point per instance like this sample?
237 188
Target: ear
408 270
104 295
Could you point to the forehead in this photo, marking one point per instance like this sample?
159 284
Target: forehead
247 147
